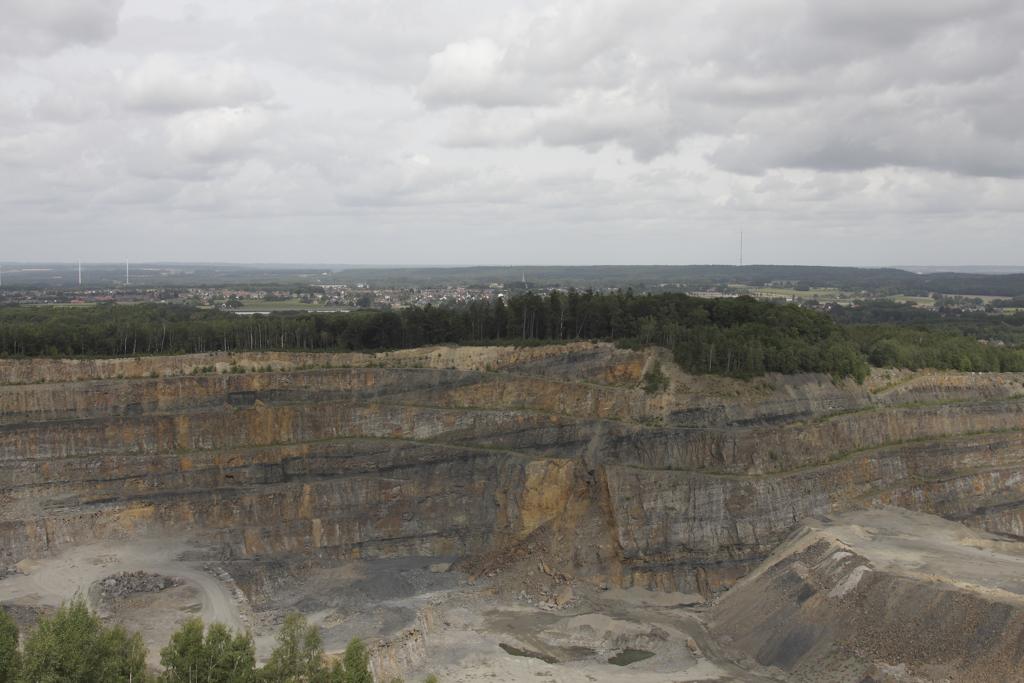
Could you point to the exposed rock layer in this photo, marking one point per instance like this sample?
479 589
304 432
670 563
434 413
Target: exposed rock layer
882 595
467 451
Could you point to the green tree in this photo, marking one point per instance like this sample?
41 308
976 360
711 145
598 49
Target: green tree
219 657
299 655
336 673
232 656
655 380
73 646
356 663
10 659
184 656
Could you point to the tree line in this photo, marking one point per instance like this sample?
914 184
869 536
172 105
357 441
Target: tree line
74 646
1007 328
739 337
914 348
899 335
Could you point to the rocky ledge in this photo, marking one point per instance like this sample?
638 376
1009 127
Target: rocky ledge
487 455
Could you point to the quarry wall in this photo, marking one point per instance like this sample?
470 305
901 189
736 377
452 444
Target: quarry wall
466 451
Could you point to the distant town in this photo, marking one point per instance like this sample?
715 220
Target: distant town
266 289
347 297
327 298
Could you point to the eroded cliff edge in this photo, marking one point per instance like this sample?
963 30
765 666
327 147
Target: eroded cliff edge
487 453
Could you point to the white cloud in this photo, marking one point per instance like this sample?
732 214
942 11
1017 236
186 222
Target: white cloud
471 72
216 134
164 83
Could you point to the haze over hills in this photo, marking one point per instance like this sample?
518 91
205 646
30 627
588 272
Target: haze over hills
983 281
986 270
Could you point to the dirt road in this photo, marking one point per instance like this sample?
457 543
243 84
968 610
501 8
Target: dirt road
48 582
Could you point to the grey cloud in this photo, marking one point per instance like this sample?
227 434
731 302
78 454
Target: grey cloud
44 26
569 47
167 84
65 107
446 131
649 131
896 21
782 84
492 128
89 96
851 135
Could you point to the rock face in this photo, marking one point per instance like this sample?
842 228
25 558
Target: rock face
882 595
470 452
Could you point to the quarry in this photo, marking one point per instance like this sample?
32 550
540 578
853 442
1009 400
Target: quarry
537 513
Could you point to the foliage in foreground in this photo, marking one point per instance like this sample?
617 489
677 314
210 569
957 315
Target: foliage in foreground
10 658
73 646
218 655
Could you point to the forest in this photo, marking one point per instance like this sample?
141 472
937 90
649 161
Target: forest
738 337
74 646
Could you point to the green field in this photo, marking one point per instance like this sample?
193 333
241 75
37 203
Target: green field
827 295
817 293
919 301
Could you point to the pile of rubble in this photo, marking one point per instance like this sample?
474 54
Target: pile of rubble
129 583
544 587
515 571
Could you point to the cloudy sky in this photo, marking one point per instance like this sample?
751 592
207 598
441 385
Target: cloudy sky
584 131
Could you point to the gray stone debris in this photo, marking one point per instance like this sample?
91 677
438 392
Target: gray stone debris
127 583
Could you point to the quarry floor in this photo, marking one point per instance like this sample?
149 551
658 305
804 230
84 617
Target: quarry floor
460 625
421 616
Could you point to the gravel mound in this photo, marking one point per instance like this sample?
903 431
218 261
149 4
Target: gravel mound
129 583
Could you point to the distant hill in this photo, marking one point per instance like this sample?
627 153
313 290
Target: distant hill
641 278
883 280
980 270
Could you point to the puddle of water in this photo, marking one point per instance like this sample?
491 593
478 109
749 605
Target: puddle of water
630 656
515 651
